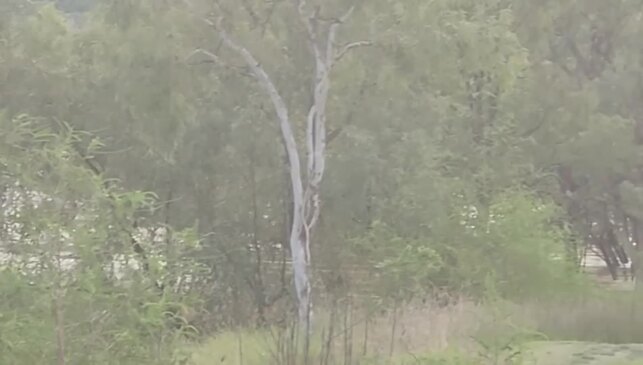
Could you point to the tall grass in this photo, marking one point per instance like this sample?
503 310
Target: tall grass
350 336
460 333
610 317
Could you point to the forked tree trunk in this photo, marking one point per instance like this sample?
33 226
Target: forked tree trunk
305 188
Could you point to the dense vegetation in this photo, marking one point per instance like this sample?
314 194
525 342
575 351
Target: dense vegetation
168 167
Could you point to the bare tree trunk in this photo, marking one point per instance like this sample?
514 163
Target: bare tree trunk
305 189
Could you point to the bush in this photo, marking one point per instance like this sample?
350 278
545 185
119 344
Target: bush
73 285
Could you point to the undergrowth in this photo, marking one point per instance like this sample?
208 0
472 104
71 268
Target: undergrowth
491 332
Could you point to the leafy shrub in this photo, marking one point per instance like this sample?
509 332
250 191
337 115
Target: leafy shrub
72 284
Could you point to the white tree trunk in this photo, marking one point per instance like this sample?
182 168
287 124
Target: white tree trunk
305 193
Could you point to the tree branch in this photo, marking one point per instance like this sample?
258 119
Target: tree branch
310 141
205 52
350 46
333 134
342 19
261 76
287 133
136 246
332 33
307 20
217 61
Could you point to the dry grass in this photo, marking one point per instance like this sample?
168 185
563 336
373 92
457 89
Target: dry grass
408 333
422 328
354 334
613 317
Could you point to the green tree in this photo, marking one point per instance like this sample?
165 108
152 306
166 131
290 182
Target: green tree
74 287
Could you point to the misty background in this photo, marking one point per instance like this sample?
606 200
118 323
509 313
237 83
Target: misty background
333 182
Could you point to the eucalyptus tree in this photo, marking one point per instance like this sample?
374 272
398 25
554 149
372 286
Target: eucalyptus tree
305 182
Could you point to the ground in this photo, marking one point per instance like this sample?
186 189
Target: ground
580 353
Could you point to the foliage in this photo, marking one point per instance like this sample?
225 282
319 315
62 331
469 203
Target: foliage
515 248
406 265
524 249
68 284
476 146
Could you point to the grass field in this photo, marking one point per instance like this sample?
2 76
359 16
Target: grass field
603 330
257 352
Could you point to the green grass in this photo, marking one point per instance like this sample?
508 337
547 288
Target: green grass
233 348
257 348
253 347
260 347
